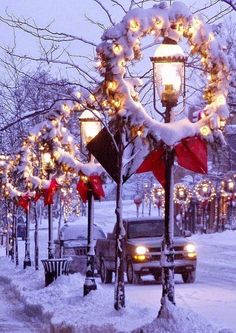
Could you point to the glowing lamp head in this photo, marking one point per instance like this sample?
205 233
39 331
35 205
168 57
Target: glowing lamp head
181 193
168 70
46 158
205 188
230 185
90 125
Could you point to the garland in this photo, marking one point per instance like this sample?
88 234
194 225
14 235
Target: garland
121 45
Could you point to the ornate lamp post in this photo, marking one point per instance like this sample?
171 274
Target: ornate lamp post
168 80
182 197
48 165
228 187
90 126
205 193
158 195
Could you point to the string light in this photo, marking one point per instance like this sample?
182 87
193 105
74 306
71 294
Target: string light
134 25
205 191
112 85
117 49
205 130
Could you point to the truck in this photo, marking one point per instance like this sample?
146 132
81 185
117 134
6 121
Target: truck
142 251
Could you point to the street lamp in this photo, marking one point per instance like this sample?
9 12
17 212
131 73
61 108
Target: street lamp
228 187
27 260
168 81
48 165
90 126
182 197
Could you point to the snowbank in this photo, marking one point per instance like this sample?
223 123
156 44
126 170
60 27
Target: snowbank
62 305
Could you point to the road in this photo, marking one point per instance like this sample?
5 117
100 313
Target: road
213 294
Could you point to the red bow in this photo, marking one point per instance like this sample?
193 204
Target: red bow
37 196
24 202
49 192
95 182
191 154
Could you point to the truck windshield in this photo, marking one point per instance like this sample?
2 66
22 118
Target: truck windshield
152 228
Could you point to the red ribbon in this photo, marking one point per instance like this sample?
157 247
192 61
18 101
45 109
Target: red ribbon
191 154
37 196
49 192
95 182
24 201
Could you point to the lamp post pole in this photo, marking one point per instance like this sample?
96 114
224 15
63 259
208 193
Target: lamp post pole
168 79
119 294
90 126
90 283
167 248
27 260
50 228
48 164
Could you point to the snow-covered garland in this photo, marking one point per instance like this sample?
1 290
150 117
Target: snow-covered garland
182 194
204 191
121 44
228 188
7 166
52 136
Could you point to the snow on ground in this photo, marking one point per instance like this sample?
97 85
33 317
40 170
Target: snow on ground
207 306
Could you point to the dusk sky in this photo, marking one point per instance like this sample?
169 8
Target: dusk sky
68 16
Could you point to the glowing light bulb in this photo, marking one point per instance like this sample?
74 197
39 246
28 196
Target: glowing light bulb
205 130
117 103
158 22
66 108
56 154
205 188
134 25
78 94
117 49
220 100
112 85
92 98
122 63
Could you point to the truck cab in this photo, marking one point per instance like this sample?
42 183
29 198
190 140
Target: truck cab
142 251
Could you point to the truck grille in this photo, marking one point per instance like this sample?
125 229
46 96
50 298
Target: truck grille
81 251
156 253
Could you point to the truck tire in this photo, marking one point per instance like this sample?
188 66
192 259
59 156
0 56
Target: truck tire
106 275
132 277
189 277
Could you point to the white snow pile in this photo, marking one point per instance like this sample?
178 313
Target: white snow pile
63 306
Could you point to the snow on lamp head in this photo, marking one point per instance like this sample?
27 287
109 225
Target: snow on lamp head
168 70
90 125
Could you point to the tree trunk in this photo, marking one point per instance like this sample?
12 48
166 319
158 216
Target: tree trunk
119 301
36 239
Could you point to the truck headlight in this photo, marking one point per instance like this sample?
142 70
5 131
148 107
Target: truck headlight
191 250
141 253
141 250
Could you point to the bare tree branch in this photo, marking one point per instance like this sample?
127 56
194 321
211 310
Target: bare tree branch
231 3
